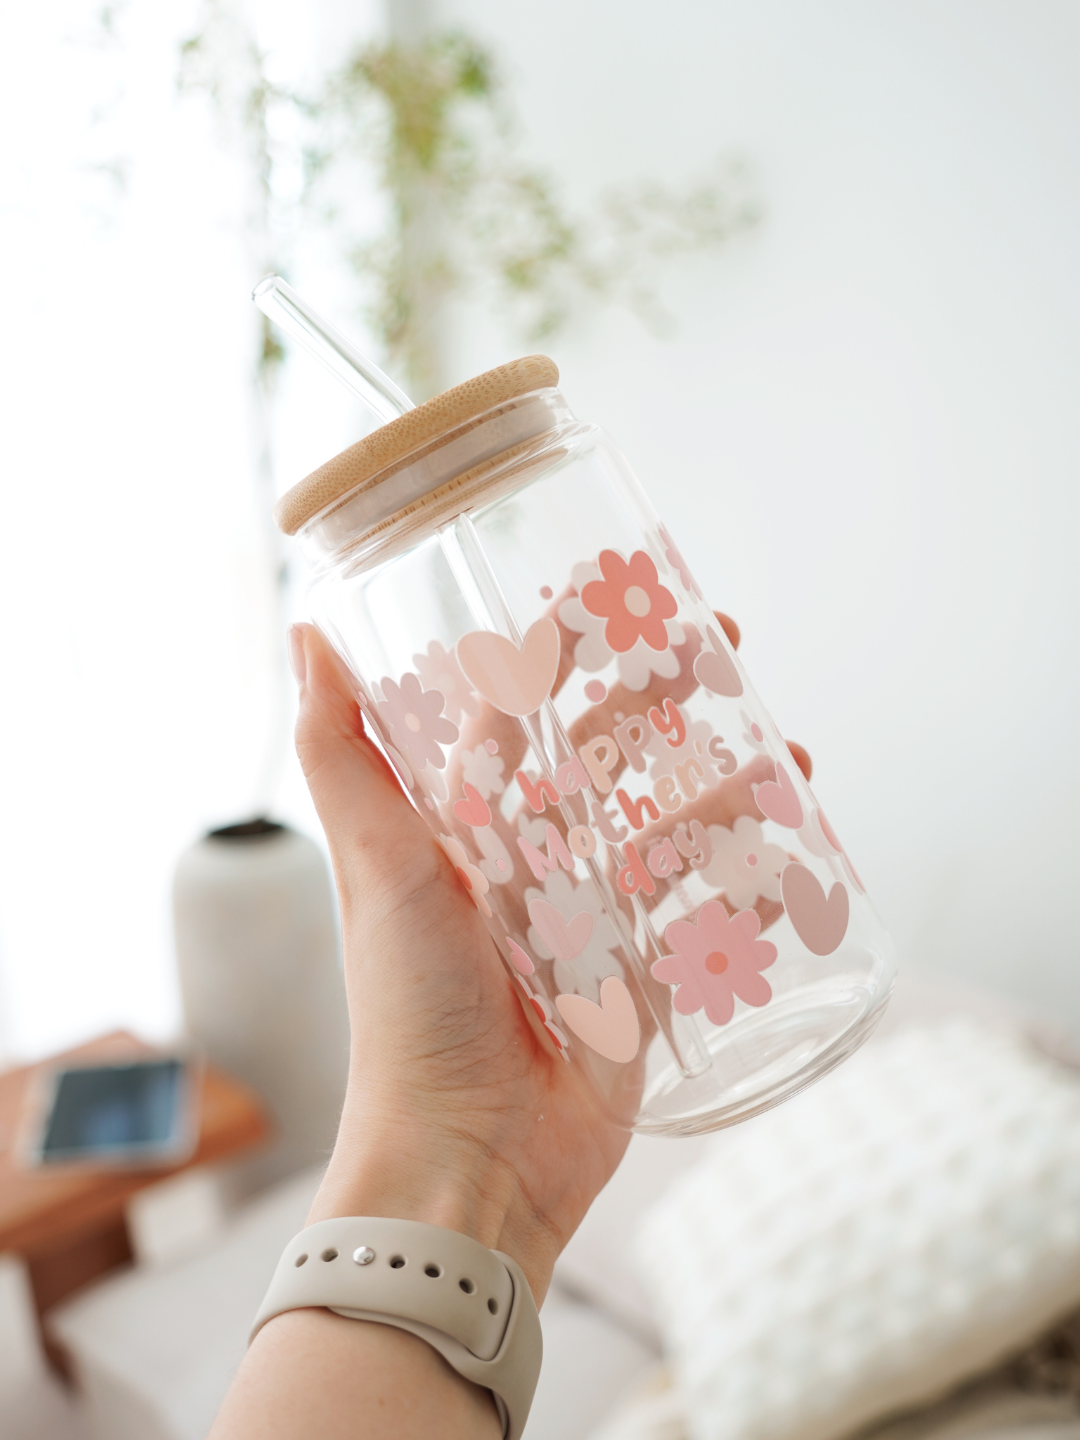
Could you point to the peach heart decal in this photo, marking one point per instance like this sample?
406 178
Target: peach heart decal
473 810
610 1028
565 939
715 668
517 682
519 959
820 920
778 800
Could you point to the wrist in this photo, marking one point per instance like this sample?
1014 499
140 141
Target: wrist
416 1172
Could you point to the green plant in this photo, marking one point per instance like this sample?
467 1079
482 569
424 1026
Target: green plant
430 128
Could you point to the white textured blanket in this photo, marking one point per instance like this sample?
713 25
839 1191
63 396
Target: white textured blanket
869 1246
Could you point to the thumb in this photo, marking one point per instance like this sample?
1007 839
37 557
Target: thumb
367 818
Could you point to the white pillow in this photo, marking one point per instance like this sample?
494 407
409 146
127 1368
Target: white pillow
862 1249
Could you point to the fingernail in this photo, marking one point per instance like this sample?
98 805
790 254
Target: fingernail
297 656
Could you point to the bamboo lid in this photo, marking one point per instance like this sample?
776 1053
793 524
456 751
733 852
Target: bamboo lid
368 459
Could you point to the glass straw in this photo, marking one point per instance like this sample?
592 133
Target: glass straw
279 302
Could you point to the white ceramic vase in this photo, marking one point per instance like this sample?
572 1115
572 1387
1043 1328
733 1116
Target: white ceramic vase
260 978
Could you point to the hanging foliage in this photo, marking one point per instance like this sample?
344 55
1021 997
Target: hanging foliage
429 128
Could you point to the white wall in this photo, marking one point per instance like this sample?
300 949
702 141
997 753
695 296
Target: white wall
141 656
865 434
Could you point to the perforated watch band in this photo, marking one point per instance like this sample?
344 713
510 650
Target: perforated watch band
472 1304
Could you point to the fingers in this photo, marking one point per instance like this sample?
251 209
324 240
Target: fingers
730 629
799 753
356 794
801 756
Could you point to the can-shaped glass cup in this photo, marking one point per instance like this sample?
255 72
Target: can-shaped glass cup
541 668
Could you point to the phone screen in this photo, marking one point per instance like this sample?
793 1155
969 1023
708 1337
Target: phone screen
115 1110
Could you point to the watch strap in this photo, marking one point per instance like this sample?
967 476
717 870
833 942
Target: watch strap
472 1304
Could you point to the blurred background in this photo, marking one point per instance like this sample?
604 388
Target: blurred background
844 361
815 269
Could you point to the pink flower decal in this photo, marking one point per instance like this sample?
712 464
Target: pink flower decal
632 600
716 959
470 875
414 718
674 558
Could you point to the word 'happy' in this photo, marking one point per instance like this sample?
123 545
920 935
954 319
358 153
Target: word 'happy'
593 765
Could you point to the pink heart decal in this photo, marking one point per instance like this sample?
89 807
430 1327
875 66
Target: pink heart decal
715 668
610 1028
564 939
473 810
829 832
778 800
820 921
831 837
517 682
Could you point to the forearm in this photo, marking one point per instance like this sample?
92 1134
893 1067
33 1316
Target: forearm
407 1167
459 1111
312 1373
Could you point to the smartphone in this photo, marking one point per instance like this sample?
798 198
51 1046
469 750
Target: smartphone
132 1112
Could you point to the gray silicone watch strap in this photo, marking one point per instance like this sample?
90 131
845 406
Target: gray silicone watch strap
470 1303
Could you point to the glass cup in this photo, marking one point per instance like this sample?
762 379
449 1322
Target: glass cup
540 667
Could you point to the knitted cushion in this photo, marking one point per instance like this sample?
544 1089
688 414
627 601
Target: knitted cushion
904 1225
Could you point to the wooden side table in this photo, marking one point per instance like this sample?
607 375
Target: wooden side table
69 1224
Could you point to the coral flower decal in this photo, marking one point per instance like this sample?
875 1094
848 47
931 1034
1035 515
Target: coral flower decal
715 960
470 875
632 601
414 717
637 665
545 1013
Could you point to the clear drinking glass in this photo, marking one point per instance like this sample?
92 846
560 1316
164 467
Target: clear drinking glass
542 670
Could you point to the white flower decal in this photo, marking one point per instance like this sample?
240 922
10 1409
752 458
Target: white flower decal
591 652
439 670
753 733
673 556
498 862
484 771
821 839
743 865
595 962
